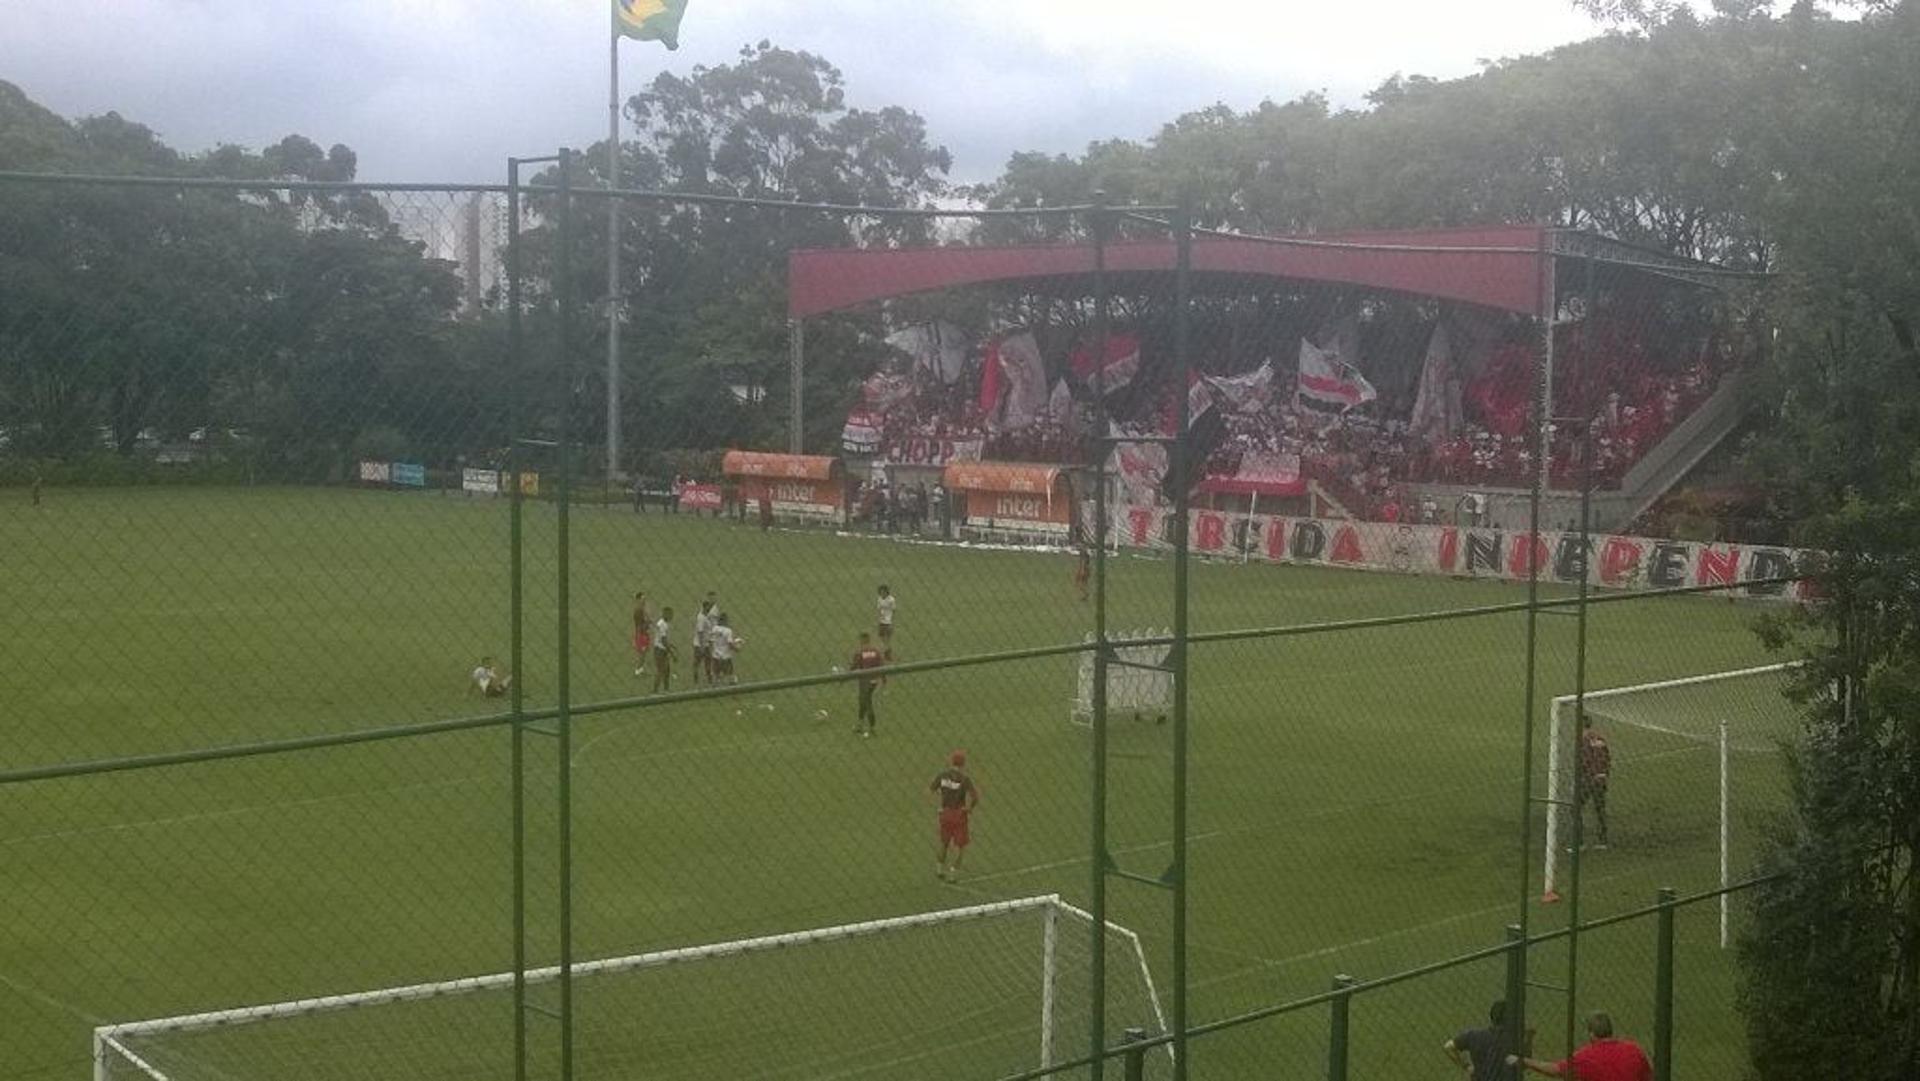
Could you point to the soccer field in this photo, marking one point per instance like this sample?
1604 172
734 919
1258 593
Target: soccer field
1354 795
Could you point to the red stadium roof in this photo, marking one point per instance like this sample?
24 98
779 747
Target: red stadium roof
1505 267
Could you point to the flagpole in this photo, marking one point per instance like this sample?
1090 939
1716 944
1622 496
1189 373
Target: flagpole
613 256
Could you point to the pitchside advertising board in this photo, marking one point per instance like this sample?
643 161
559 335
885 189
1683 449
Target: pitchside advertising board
1607 560
699 497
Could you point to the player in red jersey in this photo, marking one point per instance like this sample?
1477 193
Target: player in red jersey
1602 1058
642 634
1596 768
956 796
867 657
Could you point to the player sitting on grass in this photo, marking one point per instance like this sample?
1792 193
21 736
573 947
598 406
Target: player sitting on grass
490 682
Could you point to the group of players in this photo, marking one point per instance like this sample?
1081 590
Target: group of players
715 644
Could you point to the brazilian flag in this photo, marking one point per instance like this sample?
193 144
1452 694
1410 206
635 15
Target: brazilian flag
649 20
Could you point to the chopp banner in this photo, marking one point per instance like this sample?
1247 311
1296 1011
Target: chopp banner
1607 560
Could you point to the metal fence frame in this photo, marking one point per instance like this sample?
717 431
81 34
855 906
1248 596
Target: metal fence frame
556 722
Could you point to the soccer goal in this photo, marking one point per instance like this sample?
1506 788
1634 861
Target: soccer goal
1698 756
1138 680
980 991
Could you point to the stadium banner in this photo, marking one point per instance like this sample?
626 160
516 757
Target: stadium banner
916 450
374 472
1609 561
480 481
530 484
699 497
409 474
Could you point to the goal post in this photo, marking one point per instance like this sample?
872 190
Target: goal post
1003 986
1722 717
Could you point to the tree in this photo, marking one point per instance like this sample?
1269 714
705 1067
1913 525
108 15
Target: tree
1831 962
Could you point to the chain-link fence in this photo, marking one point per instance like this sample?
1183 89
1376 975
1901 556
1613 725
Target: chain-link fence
427 661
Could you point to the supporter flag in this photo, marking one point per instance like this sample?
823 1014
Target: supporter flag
1432 418
1206 429
1249 393
937 348
1025 376
1326 378
1060 403
649 20
1117 371
861 435
1140 468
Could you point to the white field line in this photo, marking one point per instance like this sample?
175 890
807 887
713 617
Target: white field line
34 993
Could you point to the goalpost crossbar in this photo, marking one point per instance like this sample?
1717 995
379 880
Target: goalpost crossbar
1560 791
110 1042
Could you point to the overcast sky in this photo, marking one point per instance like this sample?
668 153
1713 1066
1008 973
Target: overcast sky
446 89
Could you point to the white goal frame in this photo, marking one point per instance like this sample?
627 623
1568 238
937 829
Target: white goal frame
110 1048
1560 730
1138 679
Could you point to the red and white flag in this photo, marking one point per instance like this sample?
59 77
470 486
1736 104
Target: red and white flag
1325 377
1121 365
1024 375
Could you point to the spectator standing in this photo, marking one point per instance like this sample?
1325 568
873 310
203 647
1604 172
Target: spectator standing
1482 1053
1604 1057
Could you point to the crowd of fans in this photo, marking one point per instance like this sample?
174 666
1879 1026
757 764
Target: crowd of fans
1633 399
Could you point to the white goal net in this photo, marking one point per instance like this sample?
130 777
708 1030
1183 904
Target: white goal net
1695 770
1138 680
980 991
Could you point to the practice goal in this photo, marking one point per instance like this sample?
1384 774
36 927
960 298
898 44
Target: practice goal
979 991
1693 759
1138 680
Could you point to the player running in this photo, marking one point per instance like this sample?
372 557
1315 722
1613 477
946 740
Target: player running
722 645
956 796
663 652
867 657
885 606
642 634
703 640
488 680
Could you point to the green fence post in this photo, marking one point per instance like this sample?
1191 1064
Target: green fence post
514 611
1182 496
1516 985
1663 989
1337 1029
1135 1057
563 298
1097 902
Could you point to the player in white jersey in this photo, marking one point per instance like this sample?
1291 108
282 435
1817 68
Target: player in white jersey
703 623
885 606
488 681
723 644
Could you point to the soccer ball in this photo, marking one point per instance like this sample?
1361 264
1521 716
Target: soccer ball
819 714
835 669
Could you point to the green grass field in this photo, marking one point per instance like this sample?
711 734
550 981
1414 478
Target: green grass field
1354 797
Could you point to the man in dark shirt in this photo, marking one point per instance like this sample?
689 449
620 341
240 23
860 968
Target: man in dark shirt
867 657
1481 1053
956 795
1596 763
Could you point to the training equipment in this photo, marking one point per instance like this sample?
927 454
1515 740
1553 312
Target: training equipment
1663 736
1007 980
1138 679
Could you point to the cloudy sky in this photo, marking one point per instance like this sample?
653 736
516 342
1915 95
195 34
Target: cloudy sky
446 89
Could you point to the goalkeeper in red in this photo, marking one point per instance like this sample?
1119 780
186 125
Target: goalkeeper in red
957 796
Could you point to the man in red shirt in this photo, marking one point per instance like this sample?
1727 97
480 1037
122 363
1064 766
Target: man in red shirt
867 657
1602 1058
956 795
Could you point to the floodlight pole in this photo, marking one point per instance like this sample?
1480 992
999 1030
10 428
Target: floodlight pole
613 257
